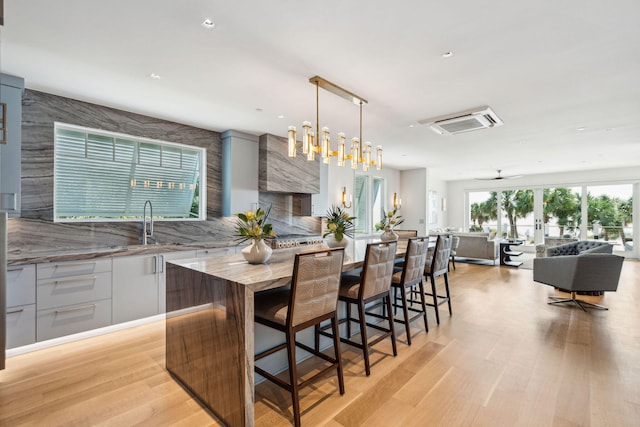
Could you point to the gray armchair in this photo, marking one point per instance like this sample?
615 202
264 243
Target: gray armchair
579 273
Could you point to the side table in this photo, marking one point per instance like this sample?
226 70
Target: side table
506 253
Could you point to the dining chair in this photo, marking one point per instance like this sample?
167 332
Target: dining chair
437 266
311 299
407 279
372 284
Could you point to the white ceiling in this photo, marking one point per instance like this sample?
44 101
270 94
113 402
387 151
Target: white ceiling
546 68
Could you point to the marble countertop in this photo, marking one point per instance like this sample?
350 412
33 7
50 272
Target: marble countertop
18 257
278 269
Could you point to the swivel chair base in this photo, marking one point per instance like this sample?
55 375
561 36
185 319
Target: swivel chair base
573 300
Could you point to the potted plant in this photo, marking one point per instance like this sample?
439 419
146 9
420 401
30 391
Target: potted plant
339 225
389 221
253 225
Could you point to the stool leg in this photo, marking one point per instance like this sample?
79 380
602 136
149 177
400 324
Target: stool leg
348 319
391 326
446 286
405 312
363 335
435 298
424 305
336 346
293 376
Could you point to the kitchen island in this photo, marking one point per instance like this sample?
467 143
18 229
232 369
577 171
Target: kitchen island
210 326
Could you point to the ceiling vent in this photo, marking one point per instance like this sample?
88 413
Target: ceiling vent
465 121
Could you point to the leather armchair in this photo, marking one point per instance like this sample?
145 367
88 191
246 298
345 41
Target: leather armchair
579 273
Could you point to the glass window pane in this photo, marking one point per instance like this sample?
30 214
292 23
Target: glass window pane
562 211
517 214
377 195
99 147
109 183
171 157
483 211
360 203
609 215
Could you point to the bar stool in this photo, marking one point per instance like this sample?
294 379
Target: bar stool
438 265
373 284
407 279
312 298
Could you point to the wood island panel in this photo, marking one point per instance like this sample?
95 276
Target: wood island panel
210 329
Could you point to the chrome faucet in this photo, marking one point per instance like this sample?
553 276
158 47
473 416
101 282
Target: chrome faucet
147 231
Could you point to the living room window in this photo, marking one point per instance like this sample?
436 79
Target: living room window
106 176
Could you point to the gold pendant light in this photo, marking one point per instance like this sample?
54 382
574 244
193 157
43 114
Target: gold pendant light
320 141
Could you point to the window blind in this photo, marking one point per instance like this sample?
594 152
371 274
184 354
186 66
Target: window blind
103 176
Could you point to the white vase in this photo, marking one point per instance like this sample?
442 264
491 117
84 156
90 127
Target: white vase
388 235
258 252
332 242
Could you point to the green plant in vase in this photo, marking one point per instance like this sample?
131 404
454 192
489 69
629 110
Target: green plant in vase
389 221
339 225
253 225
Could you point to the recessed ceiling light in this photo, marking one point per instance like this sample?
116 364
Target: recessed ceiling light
281 116
447 54
581 128
411 126
155 76
208 24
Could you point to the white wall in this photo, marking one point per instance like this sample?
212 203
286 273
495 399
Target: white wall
413 191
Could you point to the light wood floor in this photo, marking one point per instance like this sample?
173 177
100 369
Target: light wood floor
505 358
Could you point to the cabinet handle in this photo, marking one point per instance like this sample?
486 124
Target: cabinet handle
20 310
74 280
155 265
75 264
69 310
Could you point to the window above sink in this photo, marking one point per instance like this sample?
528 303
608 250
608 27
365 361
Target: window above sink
107 176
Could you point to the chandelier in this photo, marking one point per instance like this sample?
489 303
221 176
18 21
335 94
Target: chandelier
319 142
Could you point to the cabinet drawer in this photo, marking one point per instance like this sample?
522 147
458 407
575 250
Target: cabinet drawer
21 285
215 252
73 268
63 291
21 325
54 323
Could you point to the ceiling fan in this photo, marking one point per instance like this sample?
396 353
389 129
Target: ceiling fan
500 176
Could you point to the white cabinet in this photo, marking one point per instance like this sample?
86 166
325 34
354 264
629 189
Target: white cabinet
72 297
11 89
240 172
139 285
162 282
21 306
135 287
320 201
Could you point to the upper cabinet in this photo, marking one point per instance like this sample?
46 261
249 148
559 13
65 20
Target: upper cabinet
11 90
239 172
280 173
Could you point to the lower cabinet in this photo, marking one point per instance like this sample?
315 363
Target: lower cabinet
135 287
21 306
71 319
72 297
139 285
51 300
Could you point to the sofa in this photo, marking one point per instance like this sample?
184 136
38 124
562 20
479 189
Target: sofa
541 250
477 245
580 247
